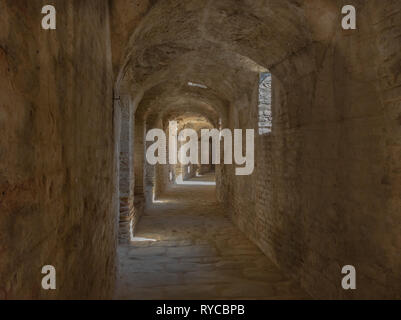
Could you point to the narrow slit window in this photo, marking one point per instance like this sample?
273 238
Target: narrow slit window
265 102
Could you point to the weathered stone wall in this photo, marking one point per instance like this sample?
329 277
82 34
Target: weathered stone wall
57 168
126 169
139 156
131 204
326 191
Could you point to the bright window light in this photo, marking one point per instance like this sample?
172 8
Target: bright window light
265 103
191 84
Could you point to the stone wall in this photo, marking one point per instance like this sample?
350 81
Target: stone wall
139 156
57 151
126 160
326 192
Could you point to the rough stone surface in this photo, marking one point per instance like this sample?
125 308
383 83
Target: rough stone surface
57 151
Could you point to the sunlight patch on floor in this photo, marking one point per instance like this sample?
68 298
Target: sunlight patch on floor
140 239
181 181
154 200
137 239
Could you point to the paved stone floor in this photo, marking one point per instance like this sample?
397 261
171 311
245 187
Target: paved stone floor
188 249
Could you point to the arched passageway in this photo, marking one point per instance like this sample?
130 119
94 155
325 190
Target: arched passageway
322 190
185 246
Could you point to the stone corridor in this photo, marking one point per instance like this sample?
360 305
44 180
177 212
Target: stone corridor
195 252
306 98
